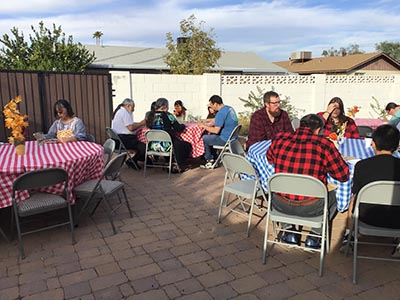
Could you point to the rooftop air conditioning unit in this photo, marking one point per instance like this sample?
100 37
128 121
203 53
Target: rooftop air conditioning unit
301 55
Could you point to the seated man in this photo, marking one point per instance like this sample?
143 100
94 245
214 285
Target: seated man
382 166
266 122
125 127
225 121
305 152
393 110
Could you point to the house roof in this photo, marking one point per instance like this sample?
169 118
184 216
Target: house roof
334 64
123 57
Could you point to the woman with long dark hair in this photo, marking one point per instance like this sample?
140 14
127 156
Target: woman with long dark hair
336 120
161 119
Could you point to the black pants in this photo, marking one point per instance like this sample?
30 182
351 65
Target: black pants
131 142
182 150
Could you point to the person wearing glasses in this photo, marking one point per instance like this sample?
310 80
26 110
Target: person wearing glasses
336 120
393 110
67 127
266 122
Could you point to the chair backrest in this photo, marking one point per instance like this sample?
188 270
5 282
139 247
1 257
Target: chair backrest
40 178
297 184
113 167
157 135
237 164
365 131
113 135
235 132
109 148
237 148
380 192
295 123
90 138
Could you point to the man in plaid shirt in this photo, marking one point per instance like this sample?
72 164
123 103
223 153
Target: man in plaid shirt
305 152
266 122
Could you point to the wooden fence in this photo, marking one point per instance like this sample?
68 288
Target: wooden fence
90 96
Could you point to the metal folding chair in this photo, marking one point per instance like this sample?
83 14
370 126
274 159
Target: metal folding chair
227 146
158 136
245 190
40 202
90 138
109 148
365 131
121 147
100 191
301 185
374 193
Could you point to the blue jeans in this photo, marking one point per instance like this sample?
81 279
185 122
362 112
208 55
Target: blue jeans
210 140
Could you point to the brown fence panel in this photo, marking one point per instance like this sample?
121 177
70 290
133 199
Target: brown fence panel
90 96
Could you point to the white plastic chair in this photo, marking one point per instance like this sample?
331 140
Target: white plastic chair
227 146
244 189
155 135
376 193
301 185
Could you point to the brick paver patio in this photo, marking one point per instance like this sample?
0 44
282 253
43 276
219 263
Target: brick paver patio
173 248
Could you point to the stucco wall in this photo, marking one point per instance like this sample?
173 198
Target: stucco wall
311 93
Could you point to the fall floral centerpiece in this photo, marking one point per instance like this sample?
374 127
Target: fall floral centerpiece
17 123
337 135
351 111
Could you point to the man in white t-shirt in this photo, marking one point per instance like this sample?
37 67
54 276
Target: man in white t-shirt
124 125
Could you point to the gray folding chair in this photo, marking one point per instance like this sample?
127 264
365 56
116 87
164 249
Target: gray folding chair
109 148
158 136
227 146
295 123
301 185
121 147
237 148
375 193
100 191
90 138
40 202
245 190
365 131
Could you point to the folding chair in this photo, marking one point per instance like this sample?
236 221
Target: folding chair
40 202
100 191
365 131
227 146
295 123
121 147
244 189
376 193
237 148
109 148
301 185
159 136
90 138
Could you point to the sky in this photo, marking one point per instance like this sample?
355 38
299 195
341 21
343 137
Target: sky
272 29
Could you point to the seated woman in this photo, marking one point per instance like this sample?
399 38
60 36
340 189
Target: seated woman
161 119
67 127
179 111
335 119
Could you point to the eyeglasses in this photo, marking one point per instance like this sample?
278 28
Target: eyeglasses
60 112
275 102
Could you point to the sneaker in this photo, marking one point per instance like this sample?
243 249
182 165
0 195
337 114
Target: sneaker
346 237
208 165
291 238
313 242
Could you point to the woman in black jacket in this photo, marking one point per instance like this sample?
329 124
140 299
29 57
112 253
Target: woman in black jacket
161 119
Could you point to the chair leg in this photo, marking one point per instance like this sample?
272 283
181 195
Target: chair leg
265 246
20 245
250 215
127 203
108 210
355 257
71 222
145 165
220 207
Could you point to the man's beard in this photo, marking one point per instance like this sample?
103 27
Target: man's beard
276 113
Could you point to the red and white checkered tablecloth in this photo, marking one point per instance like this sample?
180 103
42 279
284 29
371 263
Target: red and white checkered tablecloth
191 134
373 123
82 160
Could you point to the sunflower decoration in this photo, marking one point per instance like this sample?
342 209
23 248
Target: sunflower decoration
15 121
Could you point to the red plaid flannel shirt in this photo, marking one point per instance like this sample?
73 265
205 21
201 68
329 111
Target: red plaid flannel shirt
262 129
306 153
351 128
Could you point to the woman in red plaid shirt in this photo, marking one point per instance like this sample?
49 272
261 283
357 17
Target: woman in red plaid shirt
335 119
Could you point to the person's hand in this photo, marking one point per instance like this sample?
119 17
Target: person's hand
143 122
331 107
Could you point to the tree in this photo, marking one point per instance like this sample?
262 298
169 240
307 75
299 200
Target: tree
390 48
97 35
194 52
350 50
46 51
